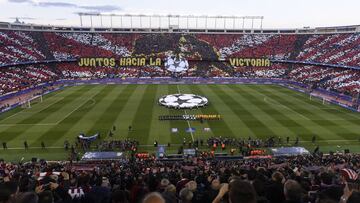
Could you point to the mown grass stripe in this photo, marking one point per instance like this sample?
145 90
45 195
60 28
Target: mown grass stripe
127 115
160 130
281 117
14 132
177 138
16 111
345 114
58 131
26 113
89 119
106 119
44 113
197 124
259 128
236 125
142 120
289 100
220 127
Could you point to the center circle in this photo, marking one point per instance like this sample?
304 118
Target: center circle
183 101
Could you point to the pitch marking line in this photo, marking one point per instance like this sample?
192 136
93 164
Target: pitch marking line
67 115
57 100
22 111
332 141
26 124
192 135
265 99
319 101
13 115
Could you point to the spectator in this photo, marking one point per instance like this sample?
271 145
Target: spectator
275 190
186 195
292 191
120 196
153 198
238 191
169 194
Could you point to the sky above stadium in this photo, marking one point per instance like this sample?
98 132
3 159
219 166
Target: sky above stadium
277 13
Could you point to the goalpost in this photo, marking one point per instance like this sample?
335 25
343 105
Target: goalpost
29 102
324 100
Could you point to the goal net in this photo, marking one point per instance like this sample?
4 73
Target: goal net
29 102
319 97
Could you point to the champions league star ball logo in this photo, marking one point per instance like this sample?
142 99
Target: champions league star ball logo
176 64
183 101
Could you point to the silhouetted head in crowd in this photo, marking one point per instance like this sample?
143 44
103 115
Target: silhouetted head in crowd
8 190
191 185
186 195
164 183
46 197
331 193
154 197
5 193
292 191
277 177
120 196
27 197
326 178
170 189
241 191
354 198
215 184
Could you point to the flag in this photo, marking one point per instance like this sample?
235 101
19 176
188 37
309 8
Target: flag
190 130
82 136
207 129
174 130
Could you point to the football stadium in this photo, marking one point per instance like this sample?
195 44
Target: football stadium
178 108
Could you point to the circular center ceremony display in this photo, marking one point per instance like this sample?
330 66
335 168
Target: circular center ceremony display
183 101
176 64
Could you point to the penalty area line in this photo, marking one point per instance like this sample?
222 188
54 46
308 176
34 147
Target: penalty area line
89 99
265 100
34 112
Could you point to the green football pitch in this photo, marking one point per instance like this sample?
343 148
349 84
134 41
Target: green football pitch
258 111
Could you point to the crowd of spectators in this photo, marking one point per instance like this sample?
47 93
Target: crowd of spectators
336 79
298 179
22 46
13 79
342 80
202 50
16 47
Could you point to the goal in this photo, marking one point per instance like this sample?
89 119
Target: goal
323 99
29 102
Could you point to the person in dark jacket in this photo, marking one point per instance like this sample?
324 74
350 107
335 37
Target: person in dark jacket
275 190
292 192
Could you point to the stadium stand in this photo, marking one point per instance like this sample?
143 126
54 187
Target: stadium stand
202 51
31 58
331 178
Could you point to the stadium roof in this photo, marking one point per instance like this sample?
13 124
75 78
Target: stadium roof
173 25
